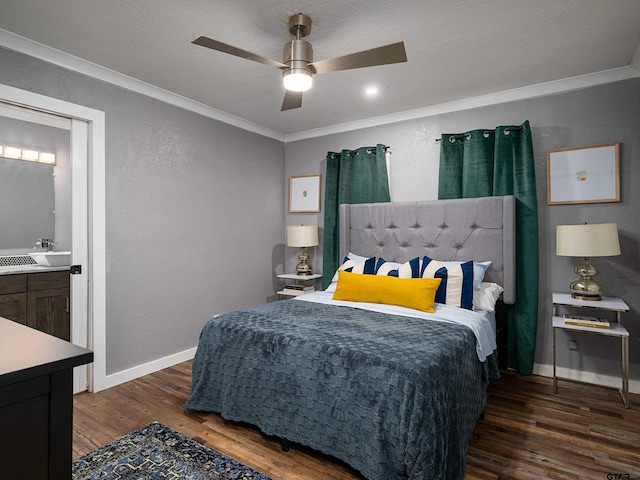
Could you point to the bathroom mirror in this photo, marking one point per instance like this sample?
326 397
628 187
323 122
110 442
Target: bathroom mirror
35 198
26 203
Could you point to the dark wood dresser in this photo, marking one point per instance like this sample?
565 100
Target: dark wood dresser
36 402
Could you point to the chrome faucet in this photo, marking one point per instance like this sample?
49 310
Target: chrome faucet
45 243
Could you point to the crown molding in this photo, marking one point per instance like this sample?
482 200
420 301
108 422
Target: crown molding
51 55
522 93
29 47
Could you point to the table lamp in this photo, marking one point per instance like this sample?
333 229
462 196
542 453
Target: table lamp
302 236
587 240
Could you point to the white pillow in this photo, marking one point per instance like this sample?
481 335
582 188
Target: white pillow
486 297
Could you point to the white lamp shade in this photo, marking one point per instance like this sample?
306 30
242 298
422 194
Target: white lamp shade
588 240
302 236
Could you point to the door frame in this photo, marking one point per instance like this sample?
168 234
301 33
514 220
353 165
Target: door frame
79 143
88 236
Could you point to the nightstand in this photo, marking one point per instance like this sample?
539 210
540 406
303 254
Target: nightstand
298 280
616 329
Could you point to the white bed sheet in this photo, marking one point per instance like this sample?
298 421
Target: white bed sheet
481 322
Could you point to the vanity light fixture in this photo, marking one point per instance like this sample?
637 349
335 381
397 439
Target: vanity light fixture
47 158
27 154
30 155
12 152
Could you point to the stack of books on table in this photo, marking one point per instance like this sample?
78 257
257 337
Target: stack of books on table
585 321
298 289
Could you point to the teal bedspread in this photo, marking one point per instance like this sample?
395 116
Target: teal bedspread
394 397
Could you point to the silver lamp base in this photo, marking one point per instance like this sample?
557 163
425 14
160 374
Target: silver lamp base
303 268
585 287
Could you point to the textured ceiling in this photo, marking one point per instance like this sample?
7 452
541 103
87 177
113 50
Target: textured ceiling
456 49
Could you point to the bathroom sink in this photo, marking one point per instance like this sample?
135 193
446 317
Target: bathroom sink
52 259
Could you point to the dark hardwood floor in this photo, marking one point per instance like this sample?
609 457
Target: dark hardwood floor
583 432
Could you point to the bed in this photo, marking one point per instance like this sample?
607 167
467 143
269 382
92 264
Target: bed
393 392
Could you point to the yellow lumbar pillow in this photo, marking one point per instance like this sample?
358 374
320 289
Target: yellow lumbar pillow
416 293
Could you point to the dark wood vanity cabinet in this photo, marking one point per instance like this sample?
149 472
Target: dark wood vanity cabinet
13 298
38 300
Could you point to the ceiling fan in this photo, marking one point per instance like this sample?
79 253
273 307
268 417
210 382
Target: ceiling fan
298 66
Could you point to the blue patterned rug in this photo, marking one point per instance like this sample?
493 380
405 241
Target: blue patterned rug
158 452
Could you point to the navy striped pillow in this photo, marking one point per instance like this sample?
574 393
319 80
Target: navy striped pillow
456 288
368 267
410 269
354 264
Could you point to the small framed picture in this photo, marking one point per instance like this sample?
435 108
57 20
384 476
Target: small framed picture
589 174
304 194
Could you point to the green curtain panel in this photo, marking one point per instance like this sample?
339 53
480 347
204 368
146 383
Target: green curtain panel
353 176
483 163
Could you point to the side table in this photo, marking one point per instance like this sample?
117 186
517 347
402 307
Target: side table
616 329
298 279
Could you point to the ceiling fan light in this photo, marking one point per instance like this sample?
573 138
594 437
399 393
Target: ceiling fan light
298 81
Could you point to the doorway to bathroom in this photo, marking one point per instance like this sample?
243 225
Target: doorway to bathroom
84 189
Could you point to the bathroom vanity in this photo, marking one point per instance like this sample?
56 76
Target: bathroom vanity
37 297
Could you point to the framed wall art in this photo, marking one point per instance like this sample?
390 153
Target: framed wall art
588 174
304 194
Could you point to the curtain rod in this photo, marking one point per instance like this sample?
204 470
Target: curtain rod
386 149
353 152
486 133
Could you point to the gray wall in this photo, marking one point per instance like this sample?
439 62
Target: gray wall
195 208
603 114
194 218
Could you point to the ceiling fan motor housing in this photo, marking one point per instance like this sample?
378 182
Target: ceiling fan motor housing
298 54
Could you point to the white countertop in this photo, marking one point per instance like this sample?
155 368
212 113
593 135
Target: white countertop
31 269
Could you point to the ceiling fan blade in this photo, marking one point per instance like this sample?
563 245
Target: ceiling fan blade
394 53
238 52
291 100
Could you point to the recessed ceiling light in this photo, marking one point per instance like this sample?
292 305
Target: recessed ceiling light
371 90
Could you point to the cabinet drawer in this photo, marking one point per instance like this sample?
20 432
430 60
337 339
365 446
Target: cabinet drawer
13 284
48 280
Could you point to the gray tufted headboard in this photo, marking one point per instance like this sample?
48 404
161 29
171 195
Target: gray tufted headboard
478 229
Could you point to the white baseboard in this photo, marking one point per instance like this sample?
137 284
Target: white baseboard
150 367
538 369
586 377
